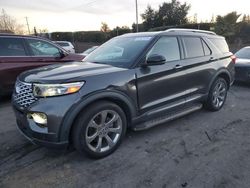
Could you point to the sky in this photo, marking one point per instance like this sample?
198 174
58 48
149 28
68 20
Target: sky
84 15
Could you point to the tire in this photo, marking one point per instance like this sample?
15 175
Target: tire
217 95
99 129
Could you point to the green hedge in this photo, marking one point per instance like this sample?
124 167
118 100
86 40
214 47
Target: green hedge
88 36
101 37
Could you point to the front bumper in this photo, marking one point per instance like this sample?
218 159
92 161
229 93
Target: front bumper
48 140
53 134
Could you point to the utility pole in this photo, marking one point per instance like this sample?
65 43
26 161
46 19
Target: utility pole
136 6
27 24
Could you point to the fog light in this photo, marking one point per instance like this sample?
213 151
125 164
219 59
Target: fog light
39 118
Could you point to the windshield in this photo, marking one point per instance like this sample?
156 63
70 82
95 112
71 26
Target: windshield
243 53
120 52
88 51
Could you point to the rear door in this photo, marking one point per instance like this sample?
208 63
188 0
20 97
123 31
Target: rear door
162 86
198 66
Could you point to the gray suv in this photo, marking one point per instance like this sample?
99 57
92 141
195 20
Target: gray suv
133 81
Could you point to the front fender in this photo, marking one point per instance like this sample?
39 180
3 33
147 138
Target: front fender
71 115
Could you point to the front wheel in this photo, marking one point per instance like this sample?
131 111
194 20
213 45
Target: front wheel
99 129
217 95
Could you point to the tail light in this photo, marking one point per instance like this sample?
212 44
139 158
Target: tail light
233 57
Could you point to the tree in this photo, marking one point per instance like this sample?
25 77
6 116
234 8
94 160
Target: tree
169 14
173 13
227 25
9 24
148 18
105 27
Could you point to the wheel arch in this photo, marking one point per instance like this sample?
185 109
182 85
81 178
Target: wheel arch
123 101
223 73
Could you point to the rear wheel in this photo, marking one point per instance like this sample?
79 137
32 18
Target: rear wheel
100 129
217 95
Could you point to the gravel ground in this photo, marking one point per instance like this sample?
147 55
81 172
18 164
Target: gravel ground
203 149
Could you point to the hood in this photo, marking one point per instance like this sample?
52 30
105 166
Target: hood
75 57
66 72
242 62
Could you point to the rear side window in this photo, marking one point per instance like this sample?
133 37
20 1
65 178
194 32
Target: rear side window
11 47
193 47
207 50
167 47
220 43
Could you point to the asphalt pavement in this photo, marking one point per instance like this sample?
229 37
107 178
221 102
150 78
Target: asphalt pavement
201 150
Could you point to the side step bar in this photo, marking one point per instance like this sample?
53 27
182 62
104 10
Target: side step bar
168 117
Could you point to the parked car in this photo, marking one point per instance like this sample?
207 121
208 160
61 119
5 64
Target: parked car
159 76
89 50
242 66
19 53
68 46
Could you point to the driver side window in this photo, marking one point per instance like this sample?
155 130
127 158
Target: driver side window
167 47
42 48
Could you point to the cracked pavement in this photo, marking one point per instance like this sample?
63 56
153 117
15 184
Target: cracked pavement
201 150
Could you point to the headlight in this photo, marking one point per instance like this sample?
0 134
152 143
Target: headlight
49 90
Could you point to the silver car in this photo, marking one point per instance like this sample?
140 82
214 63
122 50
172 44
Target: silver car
66 45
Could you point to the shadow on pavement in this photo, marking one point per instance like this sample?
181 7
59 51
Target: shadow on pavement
242 84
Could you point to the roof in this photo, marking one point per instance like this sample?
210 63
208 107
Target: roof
173 32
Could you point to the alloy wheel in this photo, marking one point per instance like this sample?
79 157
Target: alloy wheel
219 94
103 131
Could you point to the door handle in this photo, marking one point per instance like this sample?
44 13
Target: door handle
178 67
211 58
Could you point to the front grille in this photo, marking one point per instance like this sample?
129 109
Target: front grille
23 94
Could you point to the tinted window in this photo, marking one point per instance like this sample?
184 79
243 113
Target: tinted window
193 47
11 47
243 53
207 51
42 48
220 43
167 47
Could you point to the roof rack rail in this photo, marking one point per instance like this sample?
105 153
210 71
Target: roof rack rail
192 30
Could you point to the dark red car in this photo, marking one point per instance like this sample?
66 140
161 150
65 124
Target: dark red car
19 53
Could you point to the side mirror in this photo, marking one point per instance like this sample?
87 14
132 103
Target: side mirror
155 59
61 55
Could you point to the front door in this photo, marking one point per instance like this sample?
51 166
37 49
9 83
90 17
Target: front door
162 86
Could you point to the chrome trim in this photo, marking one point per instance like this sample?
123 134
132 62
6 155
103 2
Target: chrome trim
23 94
